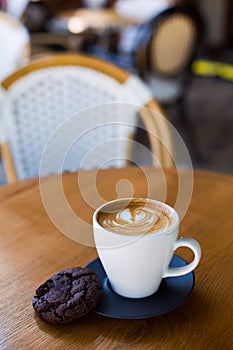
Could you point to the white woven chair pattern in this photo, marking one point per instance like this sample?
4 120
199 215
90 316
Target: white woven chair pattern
14 45
38 102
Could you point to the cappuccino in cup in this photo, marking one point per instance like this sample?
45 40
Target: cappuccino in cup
138 217
135 240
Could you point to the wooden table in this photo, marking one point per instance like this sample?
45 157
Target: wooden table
32 249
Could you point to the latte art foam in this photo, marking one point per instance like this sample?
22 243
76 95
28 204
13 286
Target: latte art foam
136 218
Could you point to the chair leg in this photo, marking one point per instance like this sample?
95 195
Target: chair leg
190 131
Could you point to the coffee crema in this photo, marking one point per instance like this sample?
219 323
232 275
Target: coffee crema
136 217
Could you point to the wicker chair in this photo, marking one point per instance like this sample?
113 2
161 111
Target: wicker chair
14 43
42 95
167 46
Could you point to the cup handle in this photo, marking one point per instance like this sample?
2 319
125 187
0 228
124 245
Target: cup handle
183 270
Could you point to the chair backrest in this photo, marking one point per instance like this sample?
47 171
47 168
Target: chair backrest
14 45
170 41
42 95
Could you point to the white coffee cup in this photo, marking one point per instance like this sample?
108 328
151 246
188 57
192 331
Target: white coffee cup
136 263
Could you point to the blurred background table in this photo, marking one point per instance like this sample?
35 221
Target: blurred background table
120 20
91 18
103 23
32 249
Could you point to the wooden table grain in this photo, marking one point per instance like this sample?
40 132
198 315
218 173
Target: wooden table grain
32 249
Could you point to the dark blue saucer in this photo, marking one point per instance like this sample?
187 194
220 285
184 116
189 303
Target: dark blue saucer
172 292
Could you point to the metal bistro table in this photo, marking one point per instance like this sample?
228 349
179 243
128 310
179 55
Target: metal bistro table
32 249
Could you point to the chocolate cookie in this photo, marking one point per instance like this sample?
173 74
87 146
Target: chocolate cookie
67 295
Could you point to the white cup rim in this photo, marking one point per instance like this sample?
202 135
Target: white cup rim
162 232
